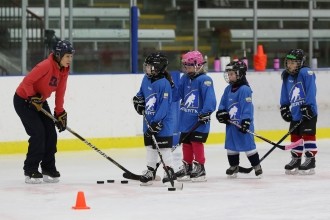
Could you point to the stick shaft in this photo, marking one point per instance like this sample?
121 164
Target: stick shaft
158 151
86 142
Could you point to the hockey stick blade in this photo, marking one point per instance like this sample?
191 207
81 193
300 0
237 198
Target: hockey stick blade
294 144
244 170
133 176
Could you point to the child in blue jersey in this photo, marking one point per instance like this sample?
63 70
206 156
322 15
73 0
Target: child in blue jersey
198 101
298 101
154 101
236 105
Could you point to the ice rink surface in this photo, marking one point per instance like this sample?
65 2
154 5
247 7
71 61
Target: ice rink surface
275 196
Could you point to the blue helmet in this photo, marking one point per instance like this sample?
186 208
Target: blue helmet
62 47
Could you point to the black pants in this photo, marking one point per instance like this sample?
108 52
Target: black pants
43 136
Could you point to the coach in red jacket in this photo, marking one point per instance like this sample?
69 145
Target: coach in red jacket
31 95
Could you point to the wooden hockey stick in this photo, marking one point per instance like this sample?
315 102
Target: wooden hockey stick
127 172
248 170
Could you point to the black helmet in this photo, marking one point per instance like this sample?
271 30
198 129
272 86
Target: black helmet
62 47
240 68
158 63
297 55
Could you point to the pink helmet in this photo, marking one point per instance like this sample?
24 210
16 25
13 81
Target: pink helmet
193 58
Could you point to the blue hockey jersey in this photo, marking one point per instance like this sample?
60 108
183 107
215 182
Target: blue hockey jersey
197 97
299 90
158 98
239 106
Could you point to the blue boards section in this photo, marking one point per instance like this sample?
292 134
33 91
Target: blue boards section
134 39
175 109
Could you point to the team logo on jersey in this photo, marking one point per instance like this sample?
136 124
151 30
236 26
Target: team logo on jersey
297 94
248 99
190 102
165 96
309 72
233 112
151 102
53 81
208 83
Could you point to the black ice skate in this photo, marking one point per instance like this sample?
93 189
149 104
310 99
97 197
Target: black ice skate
51 176
166 178
307 168
198 173
258 170
232 172
147 176
292 167
184 173
33 177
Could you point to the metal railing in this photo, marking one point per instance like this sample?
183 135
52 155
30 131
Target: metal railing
11 41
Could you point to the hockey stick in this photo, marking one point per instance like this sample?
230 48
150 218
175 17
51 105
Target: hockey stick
187 135
161 157
248 170
282 147
126 175
129 173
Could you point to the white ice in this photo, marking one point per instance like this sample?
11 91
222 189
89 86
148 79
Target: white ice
275 196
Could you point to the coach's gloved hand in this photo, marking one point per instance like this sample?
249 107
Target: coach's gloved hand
286 113
61 122
245 125
204 118
222 116
35 102
153 129
306 111
139 104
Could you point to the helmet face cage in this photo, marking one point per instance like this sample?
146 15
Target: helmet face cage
62 47
195 59
239 67
297 56
154 64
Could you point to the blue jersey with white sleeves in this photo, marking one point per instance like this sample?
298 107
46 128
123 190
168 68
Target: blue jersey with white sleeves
197 97
158 98
299 90
239 106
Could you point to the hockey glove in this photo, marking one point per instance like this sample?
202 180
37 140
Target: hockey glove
153 129
61 122
286 113
222 116
35 102
306 111
204 118
245 125
139 104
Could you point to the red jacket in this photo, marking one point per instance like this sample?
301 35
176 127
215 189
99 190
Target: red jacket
45 78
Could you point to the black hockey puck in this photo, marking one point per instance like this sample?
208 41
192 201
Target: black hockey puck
100 182
124 181
110 181
171 189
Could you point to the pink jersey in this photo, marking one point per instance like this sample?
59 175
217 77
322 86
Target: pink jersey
45 78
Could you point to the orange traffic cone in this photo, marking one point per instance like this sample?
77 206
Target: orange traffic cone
260 59
80 201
